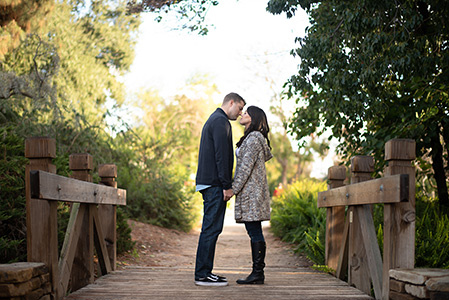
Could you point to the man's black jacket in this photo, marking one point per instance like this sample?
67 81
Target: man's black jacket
216 156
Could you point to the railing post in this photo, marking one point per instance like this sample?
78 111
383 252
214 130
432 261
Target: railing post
399 218
82 272
358 272
335 219
108 213
42 224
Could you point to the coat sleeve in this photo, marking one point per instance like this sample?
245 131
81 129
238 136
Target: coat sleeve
246 163
222 136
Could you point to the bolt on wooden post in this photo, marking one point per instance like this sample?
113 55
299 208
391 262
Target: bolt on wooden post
42 223
82 273
335 219
399 218
108 212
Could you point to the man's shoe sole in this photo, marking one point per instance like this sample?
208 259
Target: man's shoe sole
201 283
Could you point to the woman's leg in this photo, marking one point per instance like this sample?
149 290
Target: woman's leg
254 230
258 249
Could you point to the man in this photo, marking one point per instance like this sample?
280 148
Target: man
214 181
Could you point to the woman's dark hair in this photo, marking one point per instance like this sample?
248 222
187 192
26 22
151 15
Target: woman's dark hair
258 123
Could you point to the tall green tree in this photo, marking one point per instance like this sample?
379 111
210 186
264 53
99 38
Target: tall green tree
375 70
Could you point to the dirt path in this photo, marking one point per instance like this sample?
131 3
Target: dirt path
156 246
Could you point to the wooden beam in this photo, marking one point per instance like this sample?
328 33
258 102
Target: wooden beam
342 269
100 243
371 247
69 247
393 189
49 186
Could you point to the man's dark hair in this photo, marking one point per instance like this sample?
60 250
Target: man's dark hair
233 96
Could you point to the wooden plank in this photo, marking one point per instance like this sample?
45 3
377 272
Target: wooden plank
83 269
371 248
108 218
100 243
69 247
393 189
358 270
49 186
342 269
177 283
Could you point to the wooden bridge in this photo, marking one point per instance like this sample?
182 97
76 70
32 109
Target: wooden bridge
351 243
287 276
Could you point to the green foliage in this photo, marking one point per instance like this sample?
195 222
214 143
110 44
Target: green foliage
189 14
57 84
371 71
12 201
124 241
432 236
296 219
159 197
18 18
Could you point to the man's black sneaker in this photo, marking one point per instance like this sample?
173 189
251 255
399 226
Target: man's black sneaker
218 277
211 281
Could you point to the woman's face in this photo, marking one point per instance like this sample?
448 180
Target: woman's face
245 120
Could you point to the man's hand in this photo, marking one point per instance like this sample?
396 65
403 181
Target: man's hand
227 194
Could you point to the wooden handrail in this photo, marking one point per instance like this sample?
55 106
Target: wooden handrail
392 189
357 252
48 186
92 220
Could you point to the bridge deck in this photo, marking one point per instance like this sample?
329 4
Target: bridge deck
176 283
287 277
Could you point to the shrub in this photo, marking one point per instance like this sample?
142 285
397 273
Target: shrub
296 219
12 202
432 236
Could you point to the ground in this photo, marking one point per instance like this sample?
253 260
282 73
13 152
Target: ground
162 247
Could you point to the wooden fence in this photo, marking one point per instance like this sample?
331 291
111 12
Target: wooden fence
351 242
92 224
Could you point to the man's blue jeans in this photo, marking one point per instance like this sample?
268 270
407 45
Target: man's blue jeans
213 218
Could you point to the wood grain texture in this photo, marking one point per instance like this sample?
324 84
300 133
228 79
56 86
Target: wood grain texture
391 189
49 186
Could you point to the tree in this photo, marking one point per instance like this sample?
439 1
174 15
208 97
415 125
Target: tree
190 14
18 18
371 71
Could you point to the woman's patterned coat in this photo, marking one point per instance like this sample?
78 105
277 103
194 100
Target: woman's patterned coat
250 186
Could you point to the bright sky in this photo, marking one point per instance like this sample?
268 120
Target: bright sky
245 45
245 41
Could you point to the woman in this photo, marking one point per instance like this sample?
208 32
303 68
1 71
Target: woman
250 186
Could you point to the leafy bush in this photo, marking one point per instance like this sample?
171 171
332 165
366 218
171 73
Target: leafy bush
12 202
432 236
296 219
160 198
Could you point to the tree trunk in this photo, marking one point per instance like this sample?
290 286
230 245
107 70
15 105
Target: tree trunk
438 168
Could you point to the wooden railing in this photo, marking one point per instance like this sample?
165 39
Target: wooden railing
92 223
351 242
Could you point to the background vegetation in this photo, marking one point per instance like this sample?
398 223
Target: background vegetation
369 72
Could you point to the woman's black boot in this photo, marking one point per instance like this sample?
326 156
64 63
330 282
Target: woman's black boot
257 276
